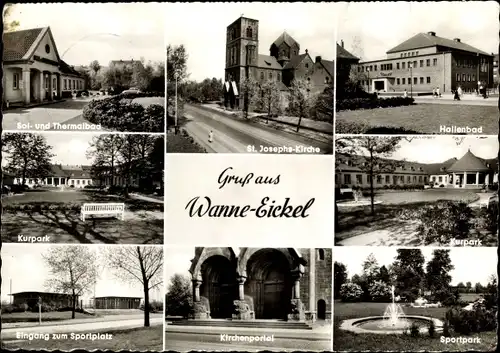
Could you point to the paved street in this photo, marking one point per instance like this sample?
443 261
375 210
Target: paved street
467 99
89 325
36 118
236 135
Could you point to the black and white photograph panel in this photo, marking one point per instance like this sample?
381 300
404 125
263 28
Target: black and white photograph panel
82 188
416 191
248 299
415 300
431 69
66 297
245 80
69 73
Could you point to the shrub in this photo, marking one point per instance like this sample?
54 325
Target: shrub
414 330
471 321
350 292
379 291
432 329
446 329
14 308
372 103
443 221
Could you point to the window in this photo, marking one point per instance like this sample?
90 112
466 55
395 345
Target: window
307 65
394 179
359 179
419 178
270 75
65 84
279 77
327 79
417 52
403 65
15 81
397 66
473 78
414 178
295 52
404 81
428 62
398 81
375 68
404 56
468 77
308 80
47 48
408 179
379 179
458 77
321 254
415 80
440 179
347 178
459 62
434 62
415 64
428 79
421 63
421 80
463 78
249 32
387 179
401 55
359 68
54 83
77 181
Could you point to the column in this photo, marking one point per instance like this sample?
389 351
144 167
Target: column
59 86
465 179
454 180
196 290
41 87
26 86
51 89
241 287
296 285
477 178
312 283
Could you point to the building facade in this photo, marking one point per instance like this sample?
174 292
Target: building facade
59 300
72 176
117 302
469 172
284 63
425 62
33 69
262 283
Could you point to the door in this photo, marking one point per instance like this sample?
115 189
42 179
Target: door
274 297
321 309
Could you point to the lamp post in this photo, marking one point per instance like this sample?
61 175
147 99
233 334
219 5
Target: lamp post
368 70
410 66
176 79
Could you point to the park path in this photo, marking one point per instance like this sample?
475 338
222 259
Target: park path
236 135
145 198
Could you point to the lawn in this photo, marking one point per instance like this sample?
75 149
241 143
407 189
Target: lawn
417 119
469 297
431 195
147 101
29 316
140 339
181 143
57 214
348 341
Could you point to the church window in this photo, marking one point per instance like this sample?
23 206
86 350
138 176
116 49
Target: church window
307 65
321 253
308 79
283 52
279 77
270 75
327 79
295 52
47 48
249 32
262 75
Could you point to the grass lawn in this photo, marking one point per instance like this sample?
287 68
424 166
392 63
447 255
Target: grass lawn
418 118
29 316
433 195
140 339
348 341
147 101
469 297
182 144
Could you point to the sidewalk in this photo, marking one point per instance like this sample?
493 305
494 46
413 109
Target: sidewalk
145 198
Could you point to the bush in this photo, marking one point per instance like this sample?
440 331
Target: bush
446 329
414 330
350 292
14 308
372 103
477 320
443 221
380 291
432 329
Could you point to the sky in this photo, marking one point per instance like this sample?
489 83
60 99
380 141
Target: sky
380 26
201 27
25 266
177 261
437 149
102 32
481 265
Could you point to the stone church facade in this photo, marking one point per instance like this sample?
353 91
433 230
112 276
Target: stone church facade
284 63
262 283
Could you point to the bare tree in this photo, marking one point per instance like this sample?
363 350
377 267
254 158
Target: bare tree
300 99
142 264
73 270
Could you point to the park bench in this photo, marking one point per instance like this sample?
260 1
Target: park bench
117 209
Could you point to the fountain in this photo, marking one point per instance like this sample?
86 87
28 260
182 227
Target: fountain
393 321
358 200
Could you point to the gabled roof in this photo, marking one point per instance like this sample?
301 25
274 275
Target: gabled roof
329 66
268 62
295 61
285 38
17 44
344 54
65 68
469 163
440 168
58 171
425 40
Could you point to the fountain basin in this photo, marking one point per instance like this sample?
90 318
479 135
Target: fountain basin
357 203
376 324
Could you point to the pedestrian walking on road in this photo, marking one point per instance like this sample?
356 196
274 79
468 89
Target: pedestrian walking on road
438 94
460 92
211 136
434 92
405 94
456 96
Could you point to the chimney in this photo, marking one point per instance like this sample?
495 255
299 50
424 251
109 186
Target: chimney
432 33
456 40
342 43
318 59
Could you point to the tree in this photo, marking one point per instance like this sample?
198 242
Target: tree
468 285
9 25
478 287
249 90
127 156
357 50
372 157
461 287
105 150
270 97
437 277
300 99
371 268
383 275
324 105
340 277
27 155
143 264
179 296
73 270
149 154
177 57
95 66
409 272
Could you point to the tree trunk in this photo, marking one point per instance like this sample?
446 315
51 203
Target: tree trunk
372 195
146 304
298 124
73 306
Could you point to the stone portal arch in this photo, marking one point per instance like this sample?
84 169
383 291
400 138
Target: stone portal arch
321 307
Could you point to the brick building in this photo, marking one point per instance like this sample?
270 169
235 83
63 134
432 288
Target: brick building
345 61
113 302
262 283
427 61
470 172
284 63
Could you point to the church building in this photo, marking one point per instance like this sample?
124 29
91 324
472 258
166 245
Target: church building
287 284
284 63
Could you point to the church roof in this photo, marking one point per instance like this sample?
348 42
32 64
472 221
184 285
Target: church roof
329 66
469 163
426 40
295 61
17 44
268 62
344 54
286 38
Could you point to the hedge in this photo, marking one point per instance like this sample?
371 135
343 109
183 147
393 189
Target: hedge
372 103
119 113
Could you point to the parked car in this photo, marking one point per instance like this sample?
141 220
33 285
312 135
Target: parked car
132 90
